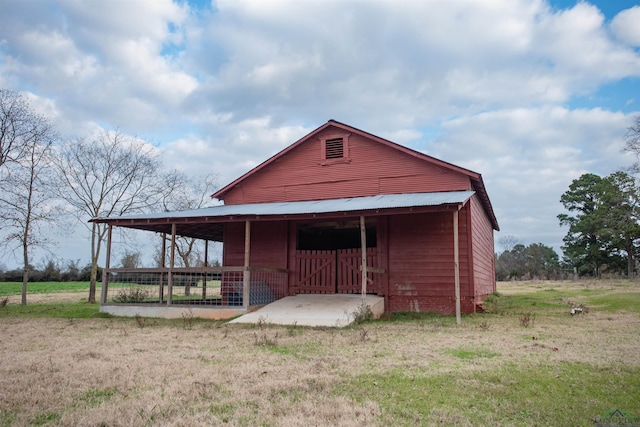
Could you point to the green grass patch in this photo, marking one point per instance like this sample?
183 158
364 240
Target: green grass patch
303 350
549 301
558 301
45 418
467 353
95 397
433 319
615 302
75 310
560 394
7 418
15 288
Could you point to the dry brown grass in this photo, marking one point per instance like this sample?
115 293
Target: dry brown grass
113 372
524 286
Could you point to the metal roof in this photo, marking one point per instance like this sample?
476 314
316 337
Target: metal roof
382 201
206 223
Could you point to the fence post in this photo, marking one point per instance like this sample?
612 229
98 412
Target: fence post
163 264
246 274
206 264
363 255
171 264
456 266
105 272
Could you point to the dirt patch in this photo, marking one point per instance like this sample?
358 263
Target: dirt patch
49 298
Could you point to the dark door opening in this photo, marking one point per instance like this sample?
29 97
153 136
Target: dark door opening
329 236
329 255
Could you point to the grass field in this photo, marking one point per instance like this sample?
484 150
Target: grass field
526 363
15 288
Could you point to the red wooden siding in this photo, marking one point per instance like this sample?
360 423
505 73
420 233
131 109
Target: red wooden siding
483 251
415 250
421 267
373 169
268 244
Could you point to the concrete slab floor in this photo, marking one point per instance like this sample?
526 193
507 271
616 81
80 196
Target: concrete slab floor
333 310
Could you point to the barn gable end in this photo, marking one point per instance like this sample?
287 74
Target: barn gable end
337 161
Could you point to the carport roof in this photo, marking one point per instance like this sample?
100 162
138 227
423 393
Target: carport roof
206 223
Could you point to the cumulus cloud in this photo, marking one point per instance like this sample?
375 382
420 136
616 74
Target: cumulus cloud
232 151
404 60
105 61
626 26
529 156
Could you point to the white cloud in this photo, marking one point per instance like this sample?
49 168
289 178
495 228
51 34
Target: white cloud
231 151
528 158
104 61
626 26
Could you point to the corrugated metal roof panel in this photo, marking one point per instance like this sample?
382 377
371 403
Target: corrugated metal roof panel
382 201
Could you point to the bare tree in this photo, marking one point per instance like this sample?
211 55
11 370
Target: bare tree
110 175
20 127
632 143
130 259
25 197
508 242
194 193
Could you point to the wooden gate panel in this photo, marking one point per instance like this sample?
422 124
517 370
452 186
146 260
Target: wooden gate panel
349 273
316 272
328 272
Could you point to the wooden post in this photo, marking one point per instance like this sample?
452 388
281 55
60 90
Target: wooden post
246 276
206 264
456 260
105 273
171 264
363 244
163 254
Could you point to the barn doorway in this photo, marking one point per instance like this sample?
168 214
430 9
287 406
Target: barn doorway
329 256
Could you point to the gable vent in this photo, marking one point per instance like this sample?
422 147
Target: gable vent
334 148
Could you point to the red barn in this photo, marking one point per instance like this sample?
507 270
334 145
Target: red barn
427 225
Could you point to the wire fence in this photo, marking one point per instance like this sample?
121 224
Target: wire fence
206 286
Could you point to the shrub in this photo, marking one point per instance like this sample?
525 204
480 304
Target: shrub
131 295
362 314
491 304
527 319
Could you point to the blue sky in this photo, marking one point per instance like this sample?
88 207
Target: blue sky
529 93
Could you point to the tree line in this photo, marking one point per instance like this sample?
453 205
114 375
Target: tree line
49 183
535 261
51 271
603 216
